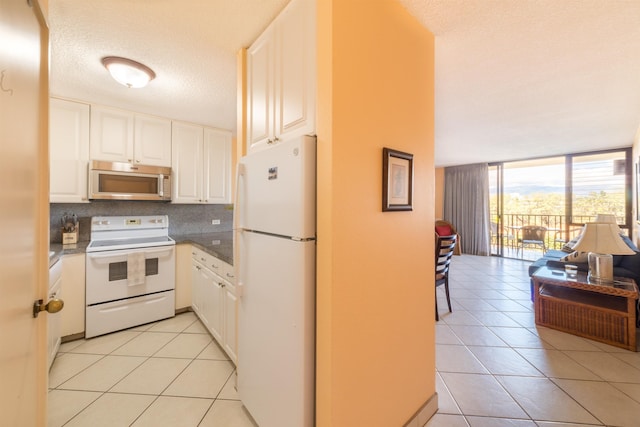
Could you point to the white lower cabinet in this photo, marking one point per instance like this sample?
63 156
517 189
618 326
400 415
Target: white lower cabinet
53 319
73 277
230 345
183 276
214 299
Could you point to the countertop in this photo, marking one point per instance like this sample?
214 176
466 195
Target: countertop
59 249
219 244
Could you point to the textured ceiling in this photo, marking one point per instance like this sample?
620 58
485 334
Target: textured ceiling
528 78
191 46
514 78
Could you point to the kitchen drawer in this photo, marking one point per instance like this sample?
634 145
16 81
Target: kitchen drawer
228 272
196 253
217 266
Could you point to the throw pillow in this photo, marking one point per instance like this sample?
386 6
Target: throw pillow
444 230
576 257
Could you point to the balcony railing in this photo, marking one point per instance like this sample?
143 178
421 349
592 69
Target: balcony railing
558 232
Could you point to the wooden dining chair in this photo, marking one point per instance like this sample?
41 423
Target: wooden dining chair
445 246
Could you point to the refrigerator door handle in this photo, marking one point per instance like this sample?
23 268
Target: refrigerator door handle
240 170
239 289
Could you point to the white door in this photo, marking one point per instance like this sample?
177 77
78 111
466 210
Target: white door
24 212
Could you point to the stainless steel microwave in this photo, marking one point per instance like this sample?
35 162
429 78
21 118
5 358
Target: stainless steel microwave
125 181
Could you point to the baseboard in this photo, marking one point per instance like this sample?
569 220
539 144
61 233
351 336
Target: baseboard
72 337
424 414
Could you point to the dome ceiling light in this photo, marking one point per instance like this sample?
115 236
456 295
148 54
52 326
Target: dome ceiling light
128 72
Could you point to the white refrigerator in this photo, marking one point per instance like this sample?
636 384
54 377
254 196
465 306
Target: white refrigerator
276 232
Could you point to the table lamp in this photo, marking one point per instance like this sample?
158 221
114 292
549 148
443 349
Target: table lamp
602 240
608 218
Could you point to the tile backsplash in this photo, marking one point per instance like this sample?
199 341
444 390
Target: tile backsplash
183 219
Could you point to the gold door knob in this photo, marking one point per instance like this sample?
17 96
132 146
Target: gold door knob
53 306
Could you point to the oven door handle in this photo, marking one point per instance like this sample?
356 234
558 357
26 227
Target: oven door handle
113 254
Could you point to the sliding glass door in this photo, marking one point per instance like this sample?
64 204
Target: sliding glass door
528 207
555 196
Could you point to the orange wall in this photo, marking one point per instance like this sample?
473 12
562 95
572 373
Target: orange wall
439 207
375 308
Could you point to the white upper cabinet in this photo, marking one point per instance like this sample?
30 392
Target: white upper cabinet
260 91
281 78
295 112
124 136
187 163
69 151
217 166
152 140
201 164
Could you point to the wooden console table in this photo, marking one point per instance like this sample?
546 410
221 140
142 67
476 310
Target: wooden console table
602 312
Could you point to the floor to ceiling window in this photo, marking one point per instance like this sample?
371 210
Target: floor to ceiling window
540 204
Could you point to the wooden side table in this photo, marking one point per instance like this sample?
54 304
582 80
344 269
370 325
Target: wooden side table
602 312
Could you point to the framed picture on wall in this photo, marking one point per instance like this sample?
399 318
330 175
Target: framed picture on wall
397 180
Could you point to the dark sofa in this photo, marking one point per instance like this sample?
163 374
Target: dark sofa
623 265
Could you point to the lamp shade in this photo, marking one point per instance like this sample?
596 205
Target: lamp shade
602 238
608 218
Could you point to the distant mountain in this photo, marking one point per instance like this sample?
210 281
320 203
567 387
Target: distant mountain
526 190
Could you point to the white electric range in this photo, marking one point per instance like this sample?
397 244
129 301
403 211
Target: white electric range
130 273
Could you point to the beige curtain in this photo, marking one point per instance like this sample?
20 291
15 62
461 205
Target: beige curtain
466 206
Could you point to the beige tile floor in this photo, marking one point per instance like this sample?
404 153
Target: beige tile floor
495 368
169 373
